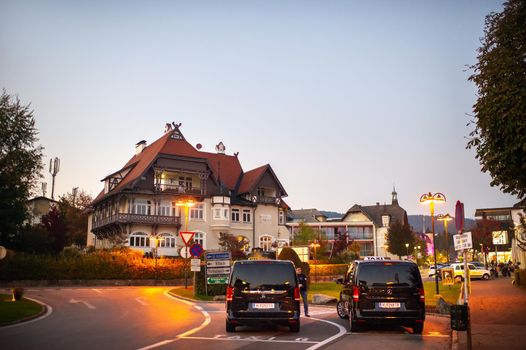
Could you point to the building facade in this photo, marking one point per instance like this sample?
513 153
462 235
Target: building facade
170 186
513 243
365 225
38 207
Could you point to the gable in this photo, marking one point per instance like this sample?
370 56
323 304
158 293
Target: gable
356 217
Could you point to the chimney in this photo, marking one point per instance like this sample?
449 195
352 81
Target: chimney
140 146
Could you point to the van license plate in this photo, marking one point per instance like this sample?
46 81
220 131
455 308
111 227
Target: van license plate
389 305
262 305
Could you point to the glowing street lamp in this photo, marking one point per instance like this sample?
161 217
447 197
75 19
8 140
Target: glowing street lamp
445 219
407 250
432 199
187 205
315 245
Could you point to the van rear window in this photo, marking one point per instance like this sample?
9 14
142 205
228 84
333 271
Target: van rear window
264 276
389 274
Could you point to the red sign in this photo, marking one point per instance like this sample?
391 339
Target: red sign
196 250
459 216
186 236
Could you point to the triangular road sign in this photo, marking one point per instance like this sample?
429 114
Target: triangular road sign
186 236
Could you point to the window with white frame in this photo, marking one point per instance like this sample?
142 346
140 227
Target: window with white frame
139 239
165 209
221 213
197 212
199 237
235 215
167 240
281 217
247 216
265 242
143 207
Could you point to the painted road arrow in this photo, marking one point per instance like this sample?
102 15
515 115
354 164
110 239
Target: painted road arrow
88 305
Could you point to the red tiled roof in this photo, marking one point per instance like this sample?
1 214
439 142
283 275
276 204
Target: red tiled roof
251 178
226 167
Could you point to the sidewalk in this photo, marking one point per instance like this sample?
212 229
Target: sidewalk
498 316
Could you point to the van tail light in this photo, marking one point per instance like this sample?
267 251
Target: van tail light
355 293
422 295
297 294
229 293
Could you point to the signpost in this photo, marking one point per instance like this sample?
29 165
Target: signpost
217 267
186 236
463 242
195 265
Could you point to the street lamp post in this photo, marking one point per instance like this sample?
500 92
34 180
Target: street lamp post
432 199
445 219
315 245
187 205
407 250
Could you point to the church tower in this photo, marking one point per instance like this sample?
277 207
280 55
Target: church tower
395 197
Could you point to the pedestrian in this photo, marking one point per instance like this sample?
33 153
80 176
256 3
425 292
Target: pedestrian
302 279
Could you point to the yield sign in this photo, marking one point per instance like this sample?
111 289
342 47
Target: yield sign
186 236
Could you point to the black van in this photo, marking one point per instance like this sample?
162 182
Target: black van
263 292
383 291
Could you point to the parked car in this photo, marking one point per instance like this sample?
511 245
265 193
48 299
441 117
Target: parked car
389 291
478 264
474 272
263 292
439 267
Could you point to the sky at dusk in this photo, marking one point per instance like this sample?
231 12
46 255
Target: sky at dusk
343 98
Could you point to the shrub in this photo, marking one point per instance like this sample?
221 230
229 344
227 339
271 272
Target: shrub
288 253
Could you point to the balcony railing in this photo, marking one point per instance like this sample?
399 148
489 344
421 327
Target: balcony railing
136 219
366 235
174 188
266 200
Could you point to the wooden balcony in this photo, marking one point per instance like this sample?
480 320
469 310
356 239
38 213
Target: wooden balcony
182 190
100 223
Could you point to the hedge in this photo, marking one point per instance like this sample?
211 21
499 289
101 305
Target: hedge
98 265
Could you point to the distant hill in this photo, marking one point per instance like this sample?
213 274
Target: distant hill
416 221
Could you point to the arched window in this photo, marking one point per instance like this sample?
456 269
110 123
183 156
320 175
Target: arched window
265 242
200 237
139 239
167 240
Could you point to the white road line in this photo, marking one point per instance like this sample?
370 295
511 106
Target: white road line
254 339
97 290
49 311
141 301
88 305
341 332
205 323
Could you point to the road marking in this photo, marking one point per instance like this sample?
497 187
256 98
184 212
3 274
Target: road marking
97 290
141 301
254 339
205 323
49 311
88 305
341 332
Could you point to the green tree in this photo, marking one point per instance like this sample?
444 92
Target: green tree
305 234
73 210
235 245
398 235
288 253
499 137
20 165
55 224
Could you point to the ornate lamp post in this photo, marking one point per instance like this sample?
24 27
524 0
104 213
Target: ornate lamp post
315 245
432 199
407 250
445 219
187 205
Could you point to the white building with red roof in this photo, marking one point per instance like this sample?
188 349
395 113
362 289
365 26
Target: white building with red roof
142 200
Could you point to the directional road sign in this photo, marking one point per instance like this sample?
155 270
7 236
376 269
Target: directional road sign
217 280
218 256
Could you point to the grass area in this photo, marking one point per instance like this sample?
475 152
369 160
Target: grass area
448 293
11 311
189 293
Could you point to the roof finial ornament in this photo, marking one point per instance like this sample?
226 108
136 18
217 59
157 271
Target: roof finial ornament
236 154
220 148
176 126
395 196
167 127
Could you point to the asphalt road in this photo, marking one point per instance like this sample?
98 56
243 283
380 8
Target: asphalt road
149 318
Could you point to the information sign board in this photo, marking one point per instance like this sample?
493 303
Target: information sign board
463 241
